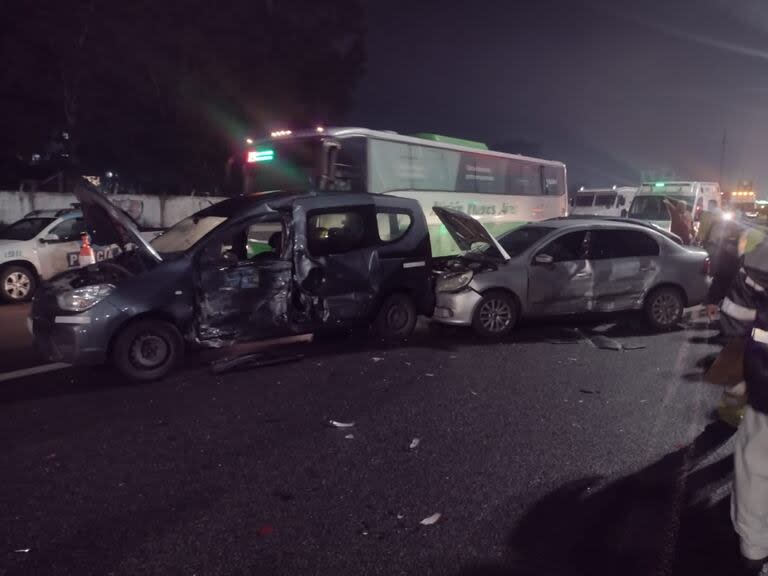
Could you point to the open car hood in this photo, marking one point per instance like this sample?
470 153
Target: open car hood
466 231
107 223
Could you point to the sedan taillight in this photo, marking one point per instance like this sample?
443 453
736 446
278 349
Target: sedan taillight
706 268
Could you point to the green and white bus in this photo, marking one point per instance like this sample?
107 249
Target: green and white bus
501 190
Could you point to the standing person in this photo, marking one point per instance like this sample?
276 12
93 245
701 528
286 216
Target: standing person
727 293
678 223
749 501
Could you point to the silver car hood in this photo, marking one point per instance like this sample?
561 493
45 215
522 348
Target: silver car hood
466 231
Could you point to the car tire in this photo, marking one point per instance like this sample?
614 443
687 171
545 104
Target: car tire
495 315
664 307
396 318
147 350
17 284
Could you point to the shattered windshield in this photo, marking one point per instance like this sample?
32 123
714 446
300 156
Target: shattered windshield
186 233
25 229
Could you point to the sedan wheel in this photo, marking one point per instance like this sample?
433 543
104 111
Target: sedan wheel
495 315
664 308
17 284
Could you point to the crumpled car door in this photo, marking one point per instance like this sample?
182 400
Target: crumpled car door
339 281
243 300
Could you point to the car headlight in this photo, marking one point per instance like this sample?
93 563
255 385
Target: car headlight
81 299
454 282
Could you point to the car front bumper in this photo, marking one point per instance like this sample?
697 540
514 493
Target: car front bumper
75 338
456 307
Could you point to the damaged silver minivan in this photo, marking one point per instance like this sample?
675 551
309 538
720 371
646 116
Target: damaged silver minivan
252 267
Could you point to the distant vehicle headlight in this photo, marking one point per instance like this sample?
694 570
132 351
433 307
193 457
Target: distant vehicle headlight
81 299
454 282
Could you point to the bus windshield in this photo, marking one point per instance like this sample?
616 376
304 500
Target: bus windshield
283 165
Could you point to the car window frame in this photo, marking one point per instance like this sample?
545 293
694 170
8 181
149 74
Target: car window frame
393 210
227 229
594 242
53 225
545 242
370 234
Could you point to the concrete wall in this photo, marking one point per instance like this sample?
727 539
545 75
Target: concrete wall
148 211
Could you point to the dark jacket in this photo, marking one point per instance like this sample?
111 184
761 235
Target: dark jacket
722 245
755 282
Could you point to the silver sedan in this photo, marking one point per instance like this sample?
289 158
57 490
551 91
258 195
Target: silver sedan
565 266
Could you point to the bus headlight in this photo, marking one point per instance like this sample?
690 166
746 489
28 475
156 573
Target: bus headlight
81 299
454 282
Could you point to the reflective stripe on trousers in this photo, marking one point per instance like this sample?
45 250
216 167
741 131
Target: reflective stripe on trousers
737 311
749 501
751 283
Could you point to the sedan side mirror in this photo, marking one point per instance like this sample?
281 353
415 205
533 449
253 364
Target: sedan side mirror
49 238
543 259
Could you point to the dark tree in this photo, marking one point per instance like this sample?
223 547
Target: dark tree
163 91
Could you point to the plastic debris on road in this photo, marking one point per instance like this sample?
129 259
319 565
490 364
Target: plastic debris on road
22 550
377 359
414 443
588 391
474 393
337 424
248 361
429 374
429 520
350 436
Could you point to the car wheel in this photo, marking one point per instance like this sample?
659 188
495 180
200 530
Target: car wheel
664 308
396 319
495 315
148 350
17 284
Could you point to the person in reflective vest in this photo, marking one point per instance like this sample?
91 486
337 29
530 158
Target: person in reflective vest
749 503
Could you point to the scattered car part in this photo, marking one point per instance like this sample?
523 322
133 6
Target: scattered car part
249 361
429 520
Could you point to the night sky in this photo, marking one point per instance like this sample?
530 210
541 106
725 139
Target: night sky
613 88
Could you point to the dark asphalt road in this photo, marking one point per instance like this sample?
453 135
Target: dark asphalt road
541 457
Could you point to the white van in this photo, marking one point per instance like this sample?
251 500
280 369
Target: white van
602 201
648 203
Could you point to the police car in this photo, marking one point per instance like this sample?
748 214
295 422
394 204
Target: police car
39 246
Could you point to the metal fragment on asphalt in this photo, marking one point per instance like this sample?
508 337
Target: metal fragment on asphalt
22 550
337 424
377 359
429 520
350 436
414 443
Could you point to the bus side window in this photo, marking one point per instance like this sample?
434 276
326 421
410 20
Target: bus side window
554 180
524 178
350 172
